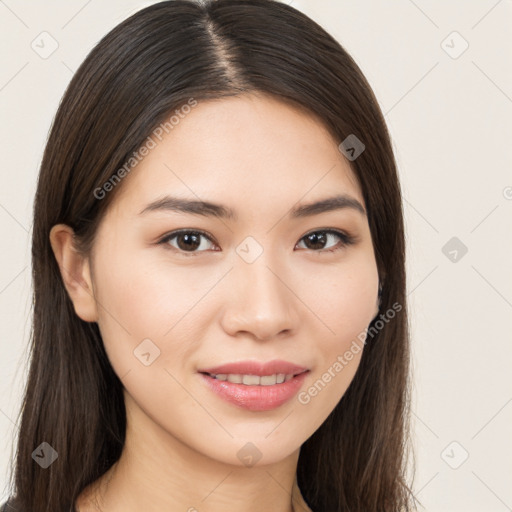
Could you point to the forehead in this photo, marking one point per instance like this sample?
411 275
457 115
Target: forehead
243 151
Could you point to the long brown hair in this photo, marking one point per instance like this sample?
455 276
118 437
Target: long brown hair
144 69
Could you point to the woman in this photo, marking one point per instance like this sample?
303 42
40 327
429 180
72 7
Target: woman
219 286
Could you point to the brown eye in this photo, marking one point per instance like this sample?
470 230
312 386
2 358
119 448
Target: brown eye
321 241
187 241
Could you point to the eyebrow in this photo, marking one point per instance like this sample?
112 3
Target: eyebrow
208 209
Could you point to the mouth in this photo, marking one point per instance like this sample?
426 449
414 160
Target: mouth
255 392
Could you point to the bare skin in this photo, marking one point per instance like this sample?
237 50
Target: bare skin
296 301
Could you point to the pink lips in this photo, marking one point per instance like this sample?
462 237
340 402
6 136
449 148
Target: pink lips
256 398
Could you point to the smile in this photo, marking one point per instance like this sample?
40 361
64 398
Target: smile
253 392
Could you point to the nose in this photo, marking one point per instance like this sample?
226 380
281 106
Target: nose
261 301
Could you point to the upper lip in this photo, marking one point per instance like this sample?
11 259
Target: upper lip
256 368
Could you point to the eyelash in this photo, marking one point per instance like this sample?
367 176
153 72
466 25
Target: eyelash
346 239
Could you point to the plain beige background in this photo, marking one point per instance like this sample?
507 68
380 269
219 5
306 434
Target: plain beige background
442 74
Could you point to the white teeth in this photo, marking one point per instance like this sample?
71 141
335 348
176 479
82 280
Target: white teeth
254 380
251 380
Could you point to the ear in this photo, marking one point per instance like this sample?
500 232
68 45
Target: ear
75 272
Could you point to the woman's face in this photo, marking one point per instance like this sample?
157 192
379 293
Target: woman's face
260 285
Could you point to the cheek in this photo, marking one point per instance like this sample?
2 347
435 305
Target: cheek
141 300
343 304
343 298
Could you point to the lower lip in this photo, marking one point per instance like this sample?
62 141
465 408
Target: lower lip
256 398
